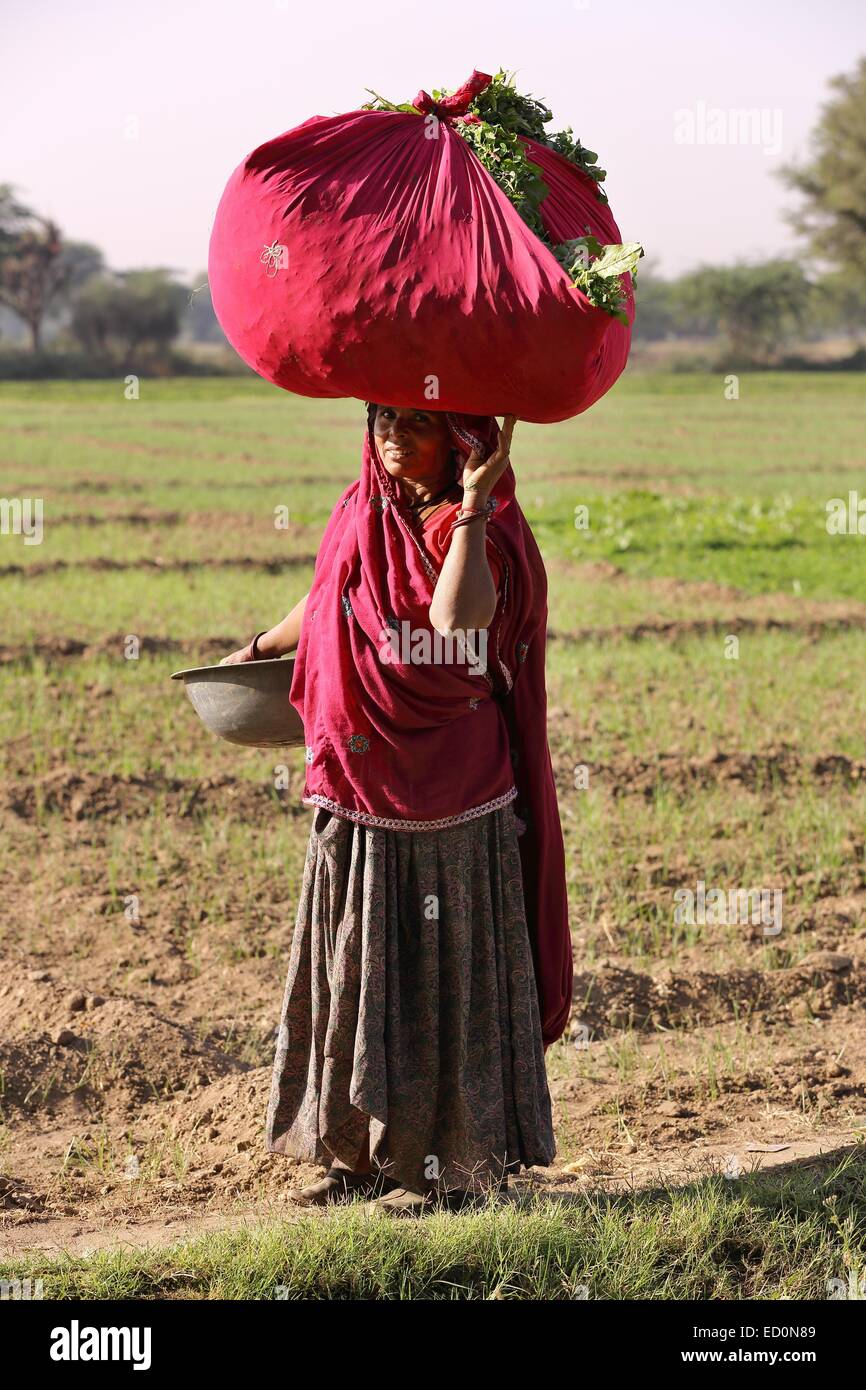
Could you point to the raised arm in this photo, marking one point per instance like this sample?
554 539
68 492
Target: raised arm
465 595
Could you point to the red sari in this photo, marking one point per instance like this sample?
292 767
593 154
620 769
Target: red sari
404 735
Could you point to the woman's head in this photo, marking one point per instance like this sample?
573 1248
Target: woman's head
412 442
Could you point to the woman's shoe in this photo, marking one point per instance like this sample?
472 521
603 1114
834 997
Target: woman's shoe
339 1184
402 1201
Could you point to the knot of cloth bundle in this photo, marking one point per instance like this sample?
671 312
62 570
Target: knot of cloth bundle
373 255
458 103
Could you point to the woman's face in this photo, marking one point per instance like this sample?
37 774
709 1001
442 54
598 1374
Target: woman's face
412 443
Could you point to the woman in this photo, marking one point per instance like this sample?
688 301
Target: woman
431 960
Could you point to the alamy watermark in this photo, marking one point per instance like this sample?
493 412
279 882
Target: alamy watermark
846 518
717 125
735 906
403 645
20 1289
22 516
854 1288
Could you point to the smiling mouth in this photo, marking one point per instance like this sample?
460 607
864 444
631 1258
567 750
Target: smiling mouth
398 452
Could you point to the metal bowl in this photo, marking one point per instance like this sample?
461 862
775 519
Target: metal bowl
247 703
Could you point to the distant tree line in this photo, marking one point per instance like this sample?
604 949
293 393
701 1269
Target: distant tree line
63 291
757 310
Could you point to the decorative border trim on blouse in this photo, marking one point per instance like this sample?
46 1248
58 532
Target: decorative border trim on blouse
391 823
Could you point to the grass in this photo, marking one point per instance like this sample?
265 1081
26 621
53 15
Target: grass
745 1238
704 514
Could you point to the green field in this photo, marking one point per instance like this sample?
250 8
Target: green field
706 667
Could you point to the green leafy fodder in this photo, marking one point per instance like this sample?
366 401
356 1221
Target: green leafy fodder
597 270
498 122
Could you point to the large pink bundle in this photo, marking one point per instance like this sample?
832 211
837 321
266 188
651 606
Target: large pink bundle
357 256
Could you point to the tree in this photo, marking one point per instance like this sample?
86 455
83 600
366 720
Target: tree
137 311
654 307
757 307
659 311
199 320
31 265
14 216
833 182
840 305
79 261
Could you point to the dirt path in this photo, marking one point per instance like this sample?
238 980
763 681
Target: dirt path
692 1164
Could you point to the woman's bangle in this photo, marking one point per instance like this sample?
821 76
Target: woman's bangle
254 649
464 519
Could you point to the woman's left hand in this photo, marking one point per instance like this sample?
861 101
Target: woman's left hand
242 654
480 476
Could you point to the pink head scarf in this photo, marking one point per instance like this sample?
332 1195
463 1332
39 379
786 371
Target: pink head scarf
420 745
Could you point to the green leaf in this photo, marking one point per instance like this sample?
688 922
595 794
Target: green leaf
596 270
619 259
505 119
383 104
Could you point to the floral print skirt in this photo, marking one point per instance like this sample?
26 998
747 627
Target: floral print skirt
410 1017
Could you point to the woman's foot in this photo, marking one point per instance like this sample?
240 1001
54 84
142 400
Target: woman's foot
339 1184
401 1201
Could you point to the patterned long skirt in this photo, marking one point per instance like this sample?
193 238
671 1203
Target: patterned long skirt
410 1018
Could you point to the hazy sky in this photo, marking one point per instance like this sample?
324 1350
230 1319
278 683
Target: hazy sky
123 122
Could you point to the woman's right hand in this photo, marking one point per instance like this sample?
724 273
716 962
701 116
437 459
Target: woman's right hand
244 654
